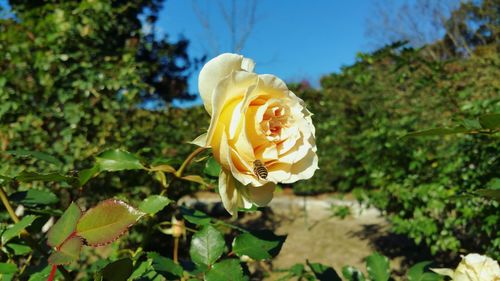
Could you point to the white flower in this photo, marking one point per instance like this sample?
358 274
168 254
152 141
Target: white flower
260 132
473 267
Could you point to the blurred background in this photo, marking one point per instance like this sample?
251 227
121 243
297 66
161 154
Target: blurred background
77 77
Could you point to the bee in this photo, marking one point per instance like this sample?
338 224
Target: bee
259 169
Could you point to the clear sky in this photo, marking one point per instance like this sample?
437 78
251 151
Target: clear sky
293 39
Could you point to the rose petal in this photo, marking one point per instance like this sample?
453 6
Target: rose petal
215 70
303 169
262 195
226 96
228 192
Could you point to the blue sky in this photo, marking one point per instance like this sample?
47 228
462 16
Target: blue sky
293 39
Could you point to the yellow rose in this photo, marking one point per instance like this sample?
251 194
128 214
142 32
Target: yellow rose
260 132
473 267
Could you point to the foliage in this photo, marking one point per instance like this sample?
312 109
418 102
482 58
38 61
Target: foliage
424 184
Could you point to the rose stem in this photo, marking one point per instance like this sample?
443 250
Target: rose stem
188 160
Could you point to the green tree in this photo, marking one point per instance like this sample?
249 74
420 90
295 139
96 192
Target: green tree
72 72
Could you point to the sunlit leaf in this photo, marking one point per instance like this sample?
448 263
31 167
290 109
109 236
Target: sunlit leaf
68 252
195 216
165 266
66 225
258 245
33 197
378 267
196 179
86 174
490 121
323 272
19 249
352 274
226 270
212 167
118 160
419 272
32 176
154 204
37 155
118 270
207 246
106 222
164 168
17 228
7 268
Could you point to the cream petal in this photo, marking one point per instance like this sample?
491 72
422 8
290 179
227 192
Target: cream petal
217 69
228 192
227 154
200 140
278 172
262 195
303 169
230 89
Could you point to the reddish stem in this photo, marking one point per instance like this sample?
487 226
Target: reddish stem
52 273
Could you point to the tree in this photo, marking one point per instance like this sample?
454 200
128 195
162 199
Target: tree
446 29
71 72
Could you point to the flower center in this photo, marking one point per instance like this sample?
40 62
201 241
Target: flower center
275 119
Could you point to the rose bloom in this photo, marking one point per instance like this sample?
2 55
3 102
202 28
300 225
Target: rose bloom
257 125
473 267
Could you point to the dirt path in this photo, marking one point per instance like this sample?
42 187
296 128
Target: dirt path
314 235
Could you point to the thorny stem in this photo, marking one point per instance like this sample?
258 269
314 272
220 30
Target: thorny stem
25 234
188 160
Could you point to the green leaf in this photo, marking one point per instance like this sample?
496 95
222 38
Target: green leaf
34 197
86 174
68 252
37 155
106 222
118 270
490 121
378 267
352 274
66 225
32 176
118 160
17 228
154 204
195 216
8 268
323 272
489 193
418 273
212 167
4 179
435 132
493 183
166 267
226 270
207 246
19 249
258 245
44 274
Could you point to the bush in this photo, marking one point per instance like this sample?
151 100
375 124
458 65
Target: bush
422 184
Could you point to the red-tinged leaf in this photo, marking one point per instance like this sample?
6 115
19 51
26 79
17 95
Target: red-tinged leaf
66 225
68 252
106 222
